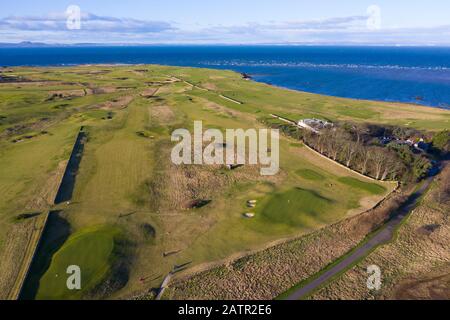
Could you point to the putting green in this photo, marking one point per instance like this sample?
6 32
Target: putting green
372 188
91 249
297 207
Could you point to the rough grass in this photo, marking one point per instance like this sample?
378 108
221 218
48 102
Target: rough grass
268 273
372 188
310 174
415 265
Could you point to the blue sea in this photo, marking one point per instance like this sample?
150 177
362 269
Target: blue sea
404 74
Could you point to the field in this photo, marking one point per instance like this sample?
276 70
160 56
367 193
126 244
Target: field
415 265
131 216
270 273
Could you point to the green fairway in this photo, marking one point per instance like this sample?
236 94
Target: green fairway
126 179
92 250
372 188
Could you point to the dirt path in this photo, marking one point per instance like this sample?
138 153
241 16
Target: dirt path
383 236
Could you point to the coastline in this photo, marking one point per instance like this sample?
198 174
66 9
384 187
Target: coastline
250 78
408 104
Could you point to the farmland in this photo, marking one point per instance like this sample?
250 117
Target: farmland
129 218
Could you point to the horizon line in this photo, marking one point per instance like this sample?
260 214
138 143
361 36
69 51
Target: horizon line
309 44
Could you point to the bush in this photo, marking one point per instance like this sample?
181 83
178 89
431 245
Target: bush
441 142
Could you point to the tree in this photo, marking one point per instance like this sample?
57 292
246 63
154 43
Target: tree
364 156
390 165
421 167
333 147
322 142
350 149
404 152
441 141
400 133
378 157
397 170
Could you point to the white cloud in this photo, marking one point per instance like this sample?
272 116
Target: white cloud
90 23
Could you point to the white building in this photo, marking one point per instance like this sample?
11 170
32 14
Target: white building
314 125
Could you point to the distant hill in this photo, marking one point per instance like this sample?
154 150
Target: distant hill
23 44
29 44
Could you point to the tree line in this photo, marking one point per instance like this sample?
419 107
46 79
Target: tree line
359 148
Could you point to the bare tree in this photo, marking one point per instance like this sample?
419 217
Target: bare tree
364 155
350 150
378 157
333 147
322 142
390 165
397 169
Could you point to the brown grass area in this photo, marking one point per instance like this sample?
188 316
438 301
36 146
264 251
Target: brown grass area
119 103
140 73
149 92
23 236
270 272
39 223
13 254
434 286
175 187
216 77
34 83
404 111
209 86
33 125
45 197
223 110
190 183
220 109
407 114
70 93
170 87
102 90
364 204
416 265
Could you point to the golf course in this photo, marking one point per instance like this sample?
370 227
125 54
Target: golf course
129 216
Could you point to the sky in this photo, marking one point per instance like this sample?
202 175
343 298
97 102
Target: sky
389 22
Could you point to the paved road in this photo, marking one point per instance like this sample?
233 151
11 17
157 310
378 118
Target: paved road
385 235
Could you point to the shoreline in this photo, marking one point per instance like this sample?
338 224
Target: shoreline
406 104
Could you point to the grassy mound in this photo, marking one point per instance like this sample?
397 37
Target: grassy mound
297 207
372 188
310 174
90 249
